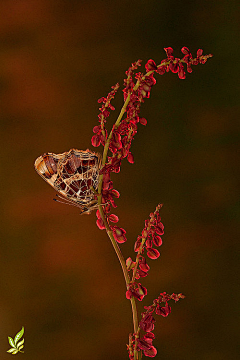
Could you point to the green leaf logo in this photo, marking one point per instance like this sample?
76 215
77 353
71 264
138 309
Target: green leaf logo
17 345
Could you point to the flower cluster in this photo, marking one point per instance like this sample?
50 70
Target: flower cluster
137 88
150 237
175 65
100 131
147 323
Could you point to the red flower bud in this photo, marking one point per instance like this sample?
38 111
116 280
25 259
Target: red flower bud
130 158
185 50
143 121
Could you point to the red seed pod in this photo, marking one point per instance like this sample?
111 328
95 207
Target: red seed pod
150 65
102 99
98 214
147 323
157 240
159 229
119 234
169 52
143 264
141 273
113 218
153 253
181 72
137 244
129 263
95 140
163 310
100 224
161 70
115 193
148 243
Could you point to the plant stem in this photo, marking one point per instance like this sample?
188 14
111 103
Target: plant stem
124 268
137 354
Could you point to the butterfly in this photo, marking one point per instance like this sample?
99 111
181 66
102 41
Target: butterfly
72 174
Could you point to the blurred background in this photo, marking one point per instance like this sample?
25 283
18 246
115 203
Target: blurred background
60 278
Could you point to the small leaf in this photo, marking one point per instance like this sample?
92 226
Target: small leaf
20 343
11 342
14 352
11 350
20 348
19 335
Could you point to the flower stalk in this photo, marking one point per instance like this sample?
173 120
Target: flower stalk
118 142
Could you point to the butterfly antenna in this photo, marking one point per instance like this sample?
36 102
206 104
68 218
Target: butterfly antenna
65 202
64 198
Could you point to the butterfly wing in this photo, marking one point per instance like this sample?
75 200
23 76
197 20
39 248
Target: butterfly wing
47 167
72 174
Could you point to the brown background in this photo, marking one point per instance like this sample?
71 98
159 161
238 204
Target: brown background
59 275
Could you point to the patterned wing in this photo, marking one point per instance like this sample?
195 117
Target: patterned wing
78 171
72 174
47 167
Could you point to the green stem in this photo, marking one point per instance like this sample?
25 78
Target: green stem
137 354
123 265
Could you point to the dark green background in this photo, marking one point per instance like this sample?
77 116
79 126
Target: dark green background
59 275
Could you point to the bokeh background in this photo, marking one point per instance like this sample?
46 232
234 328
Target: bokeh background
59 275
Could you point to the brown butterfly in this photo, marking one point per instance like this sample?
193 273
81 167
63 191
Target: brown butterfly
72 174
